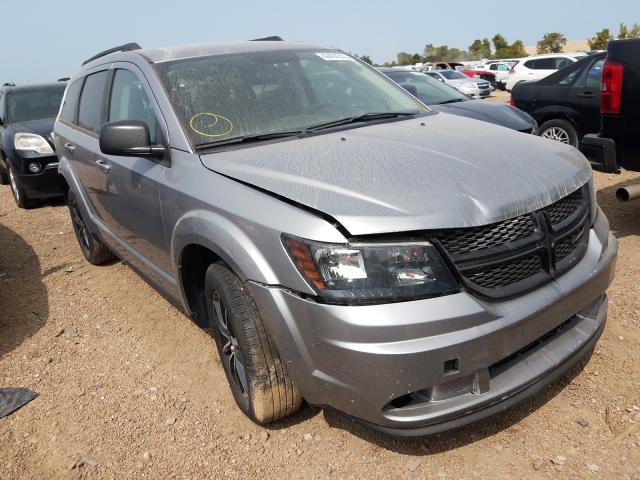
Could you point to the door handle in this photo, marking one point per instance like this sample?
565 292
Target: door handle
102 165
70 147
585 95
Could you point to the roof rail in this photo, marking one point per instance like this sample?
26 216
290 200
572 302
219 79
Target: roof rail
64 79
127 47
273 38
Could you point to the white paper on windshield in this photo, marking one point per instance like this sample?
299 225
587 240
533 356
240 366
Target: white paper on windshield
332 56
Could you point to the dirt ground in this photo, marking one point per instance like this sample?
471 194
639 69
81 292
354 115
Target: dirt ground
130 388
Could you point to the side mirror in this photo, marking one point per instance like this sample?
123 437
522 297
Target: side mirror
129 138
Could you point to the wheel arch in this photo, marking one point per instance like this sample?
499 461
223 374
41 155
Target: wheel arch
557 112
201 238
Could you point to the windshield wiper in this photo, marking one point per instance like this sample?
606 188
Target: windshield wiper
251 138
367 117
453 100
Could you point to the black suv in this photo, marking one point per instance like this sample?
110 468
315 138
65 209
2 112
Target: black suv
27 157
617 143
566 104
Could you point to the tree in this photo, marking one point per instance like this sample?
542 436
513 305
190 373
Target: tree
479 49
600 40
365 59
552 42
405 58
624 32
442 53
517 50
499 42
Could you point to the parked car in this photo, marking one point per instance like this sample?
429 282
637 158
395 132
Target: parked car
538 67
566 104
480 73
343 244
501 71
443 98
28 161
473 87
617 144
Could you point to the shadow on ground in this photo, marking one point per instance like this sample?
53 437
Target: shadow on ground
624 217
460 437
24 306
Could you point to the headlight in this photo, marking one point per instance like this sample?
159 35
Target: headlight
371 272
32 142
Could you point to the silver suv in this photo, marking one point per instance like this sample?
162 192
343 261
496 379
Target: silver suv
343 244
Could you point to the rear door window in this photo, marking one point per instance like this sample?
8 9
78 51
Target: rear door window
562 62
70 106
91 101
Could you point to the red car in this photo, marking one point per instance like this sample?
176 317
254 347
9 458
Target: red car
483 74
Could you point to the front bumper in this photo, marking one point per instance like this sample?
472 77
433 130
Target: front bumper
46 184
420 367
476 92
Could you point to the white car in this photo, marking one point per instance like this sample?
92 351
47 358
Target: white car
501 69
540 66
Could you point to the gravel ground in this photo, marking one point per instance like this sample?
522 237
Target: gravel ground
130 388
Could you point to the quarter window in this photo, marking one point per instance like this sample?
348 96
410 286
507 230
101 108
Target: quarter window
91 99
594 75
130 102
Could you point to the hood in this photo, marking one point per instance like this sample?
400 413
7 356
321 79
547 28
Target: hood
499 114
42 127
403 176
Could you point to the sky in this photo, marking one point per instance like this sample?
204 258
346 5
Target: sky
45 40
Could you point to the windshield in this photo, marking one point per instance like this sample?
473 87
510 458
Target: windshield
222 97
27 105
428 90
452 74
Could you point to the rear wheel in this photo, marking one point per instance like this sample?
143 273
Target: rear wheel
93 249
257 377
561 131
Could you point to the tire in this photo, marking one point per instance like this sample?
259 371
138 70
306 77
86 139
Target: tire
257 377
93 249
19 195
561 131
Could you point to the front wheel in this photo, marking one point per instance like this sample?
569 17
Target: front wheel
561 131
19 195
257 377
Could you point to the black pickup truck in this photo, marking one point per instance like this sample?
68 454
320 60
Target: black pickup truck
618 142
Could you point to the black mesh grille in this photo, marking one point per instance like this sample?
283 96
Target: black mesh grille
465 240
513 256
507 274
563 209
567 245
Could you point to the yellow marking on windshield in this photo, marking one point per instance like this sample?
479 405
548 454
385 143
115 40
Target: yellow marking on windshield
205 124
